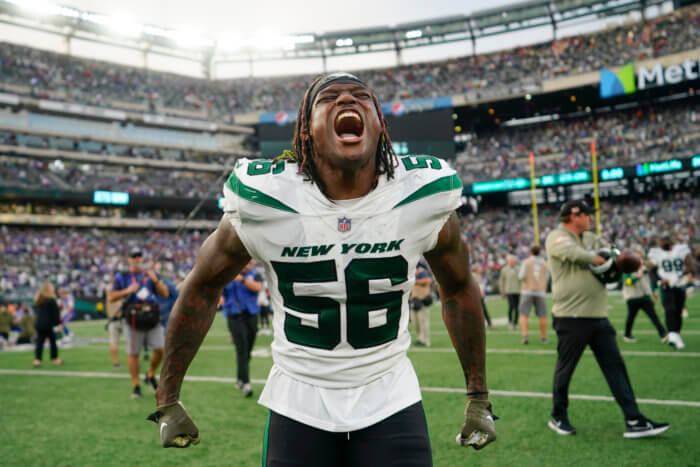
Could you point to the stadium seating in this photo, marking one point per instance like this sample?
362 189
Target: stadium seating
46 74
86 257
623 138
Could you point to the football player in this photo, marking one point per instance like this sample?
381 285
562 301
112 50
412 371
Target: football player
339 225
675 265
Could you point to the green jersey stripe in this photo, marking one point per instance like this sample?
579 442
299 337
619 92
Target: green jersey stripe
449 183
255 196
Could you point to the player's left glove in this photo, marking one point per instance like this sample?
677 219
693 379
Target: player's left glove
479 428
177 430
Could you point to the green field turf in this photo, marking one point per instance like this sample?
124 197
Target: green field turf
87 418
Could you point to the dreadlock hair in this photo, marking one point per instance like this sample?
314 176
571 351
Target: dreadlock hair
302 153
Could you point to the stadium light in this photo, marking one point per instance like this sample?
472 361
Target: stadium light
263 40
231 42
271 40
116 24
37 7
303 38
155 31
414 34
189 39
343 42
184 39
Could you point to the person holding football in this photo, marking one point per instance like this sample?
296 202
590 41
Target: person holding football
339 225
580 310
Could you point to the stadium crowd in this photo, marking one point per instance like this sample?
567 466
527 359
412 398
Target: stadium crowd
83 259
48 74
495 233
622 138
97 211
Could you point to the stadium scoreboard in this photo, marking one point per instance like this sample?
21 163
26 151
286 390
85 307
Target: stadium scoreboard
113 198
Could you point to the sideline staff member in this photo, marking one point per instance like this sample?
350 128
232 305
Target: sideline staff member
581 318
509 286
421 299
533 273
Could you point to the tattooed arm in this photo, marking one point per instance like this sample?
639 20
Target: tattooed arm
220 258
461 304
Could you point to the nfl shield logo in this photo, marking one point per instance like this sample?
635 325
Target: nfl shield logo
343 224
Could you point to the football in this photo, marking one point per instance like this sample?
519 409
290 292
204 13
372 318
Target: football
628 262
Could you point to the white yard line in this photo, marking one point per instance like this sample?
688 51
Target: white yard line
228 380
554 352
264 352
535 332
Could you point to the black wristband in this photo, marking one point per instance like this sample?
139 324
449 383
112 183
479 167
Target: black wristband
477 393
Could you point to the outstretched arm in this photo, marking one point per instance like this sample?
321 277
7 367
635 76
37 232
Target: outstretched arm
461 305
220 258
464 318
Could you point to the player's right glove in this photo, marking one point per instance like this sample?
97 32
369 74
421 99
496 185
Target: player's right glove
177 430
479 428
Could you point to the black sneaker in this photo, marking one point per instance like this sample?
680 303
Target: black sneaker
151 381
644 428
561 426
247 390
136 393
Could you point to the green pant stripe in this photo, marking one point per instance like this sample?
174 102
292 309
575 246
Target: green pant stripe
265 436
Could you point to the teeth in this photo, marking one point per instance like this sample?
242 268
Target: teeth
348 113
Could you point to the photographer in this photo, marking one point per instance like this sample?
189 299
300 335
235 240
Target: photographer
141 315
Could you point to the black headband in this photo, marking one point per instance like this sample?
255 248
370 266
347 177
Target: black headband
333 78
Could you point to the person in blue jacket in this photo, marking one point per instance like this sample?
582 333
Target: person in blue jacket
241 311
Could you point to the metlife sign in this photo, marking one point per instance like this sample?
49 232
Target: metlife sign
624 82
674 74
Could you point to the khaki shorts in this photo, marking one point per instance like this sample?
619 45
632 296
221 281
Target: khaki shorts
115 331
526 303
135 339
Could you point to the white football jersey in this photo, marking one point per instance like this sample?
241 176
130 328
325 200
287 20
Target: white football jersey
340 275
671 263
653 254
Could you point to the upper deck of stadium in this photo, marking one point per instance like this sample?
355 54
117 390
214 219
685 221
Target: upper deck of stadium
28 71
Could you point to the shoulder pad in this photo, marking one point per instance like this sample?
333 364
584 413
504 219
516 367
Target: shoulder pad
423 176
263 182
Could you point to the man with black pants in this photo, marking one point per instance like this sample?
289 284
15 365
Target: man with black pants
675 264
581 320
637 293
241 309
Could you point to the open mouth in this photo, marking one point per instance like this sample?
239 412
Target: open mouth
349 126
